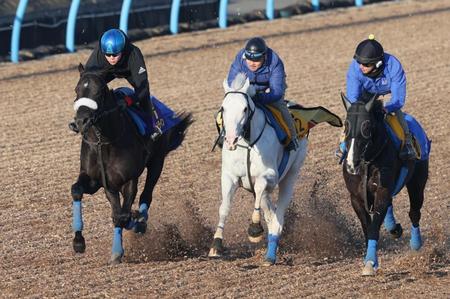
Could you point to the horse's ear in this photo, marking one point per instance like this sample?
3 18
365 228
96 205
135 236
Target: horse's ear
225 85
345 101
369 104
80 68
246 85
251 91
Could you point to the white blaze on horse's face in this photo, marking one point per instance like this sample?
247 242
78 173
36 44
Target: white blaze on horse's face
351 167
86 102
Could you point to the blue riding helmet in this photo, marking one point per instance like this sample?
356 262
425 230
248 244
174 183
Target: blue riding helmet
112 41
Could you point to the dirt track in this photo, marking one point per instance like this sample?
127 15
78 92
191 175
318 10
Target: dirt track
322 248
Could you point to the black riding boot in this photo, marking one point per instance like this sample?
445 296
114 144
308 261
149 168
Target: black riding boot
148 108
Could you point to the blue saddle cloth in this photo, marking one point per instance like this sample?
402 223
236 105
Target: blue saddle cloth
417 132
281 134
143 121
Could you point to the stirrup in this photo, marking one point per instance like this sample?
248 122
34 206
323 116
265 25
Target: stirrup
157 133
293 145
407 152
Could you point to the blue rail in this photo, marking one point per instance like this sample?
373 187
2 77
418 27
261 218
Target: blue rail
15 38
174 16
270 9
71 23
124 15
223 13
126 6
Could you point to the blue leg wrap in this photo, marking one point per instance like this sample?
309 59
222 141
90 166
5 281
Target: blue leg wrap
117 241
343 147
416 239
272 246
389 219
77 218
143 210
372 253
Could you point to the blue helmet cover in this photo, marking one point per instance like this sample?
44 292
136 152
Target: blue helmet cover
112 41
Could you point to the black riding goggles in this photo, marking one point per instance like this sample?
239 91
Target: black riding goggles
254 56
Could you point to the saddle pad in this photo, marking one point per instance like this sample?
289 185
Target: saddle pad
307 118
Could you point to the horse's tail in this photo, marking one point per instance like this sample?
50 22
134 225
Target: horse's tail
177 133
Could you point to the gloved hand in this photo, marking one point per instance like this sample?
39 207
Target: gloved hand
125 102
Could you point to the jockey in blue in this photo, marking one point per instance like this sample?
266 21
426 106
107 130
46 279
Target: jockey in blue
376 72
265 71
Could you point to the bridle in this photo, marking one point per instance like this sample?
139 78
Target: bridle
246 127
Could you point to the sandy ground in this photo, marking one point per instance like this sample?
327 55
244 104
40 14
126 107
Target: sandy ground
322 247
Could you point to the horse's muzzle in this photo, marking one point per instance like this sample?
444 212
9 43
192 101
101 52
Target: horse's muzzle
231 145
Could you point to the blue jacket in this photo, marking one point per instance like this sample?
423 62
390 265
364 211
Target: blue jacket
391 80
269 80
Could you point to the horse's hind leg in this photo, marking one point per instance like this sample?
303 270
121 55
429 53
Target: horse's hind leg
391 224
229 186
154 169
83 185
416 187
128 191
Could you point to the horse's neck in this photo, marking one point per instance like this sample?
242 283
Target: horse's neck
257 124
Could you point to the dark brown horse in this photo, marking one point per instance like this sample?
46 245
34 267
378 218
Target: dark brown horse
113 156
373 174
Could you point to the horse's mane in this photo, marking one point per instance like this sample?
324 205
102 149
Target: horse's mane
238 81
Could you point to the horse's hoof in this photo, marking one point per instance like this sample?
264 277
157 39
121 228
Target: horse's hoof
397 231
217 248
255 232
268 262
140 227
115 259
369 269
214 253
79 245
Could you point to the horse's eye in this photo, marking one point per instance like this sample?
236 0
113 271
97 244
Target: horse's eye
366 131
346 128
245 110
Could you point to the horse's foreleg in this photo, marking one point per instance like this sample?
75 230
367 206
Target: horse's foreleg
229 186
83 185
119 224
416 187
381 202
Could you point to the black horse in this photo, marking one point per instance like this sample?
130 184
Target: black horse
373 174
113 156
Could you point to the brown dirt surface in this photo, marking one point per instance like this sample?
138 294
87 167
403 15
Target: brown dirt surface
322 247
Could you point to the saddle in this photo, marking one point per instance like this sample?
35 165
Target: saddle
304 120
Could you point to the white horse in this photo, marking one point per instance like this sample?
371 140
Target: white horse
251 157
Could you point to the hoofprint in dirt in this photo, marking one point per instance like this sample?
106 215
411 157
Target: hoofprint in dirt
320 254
